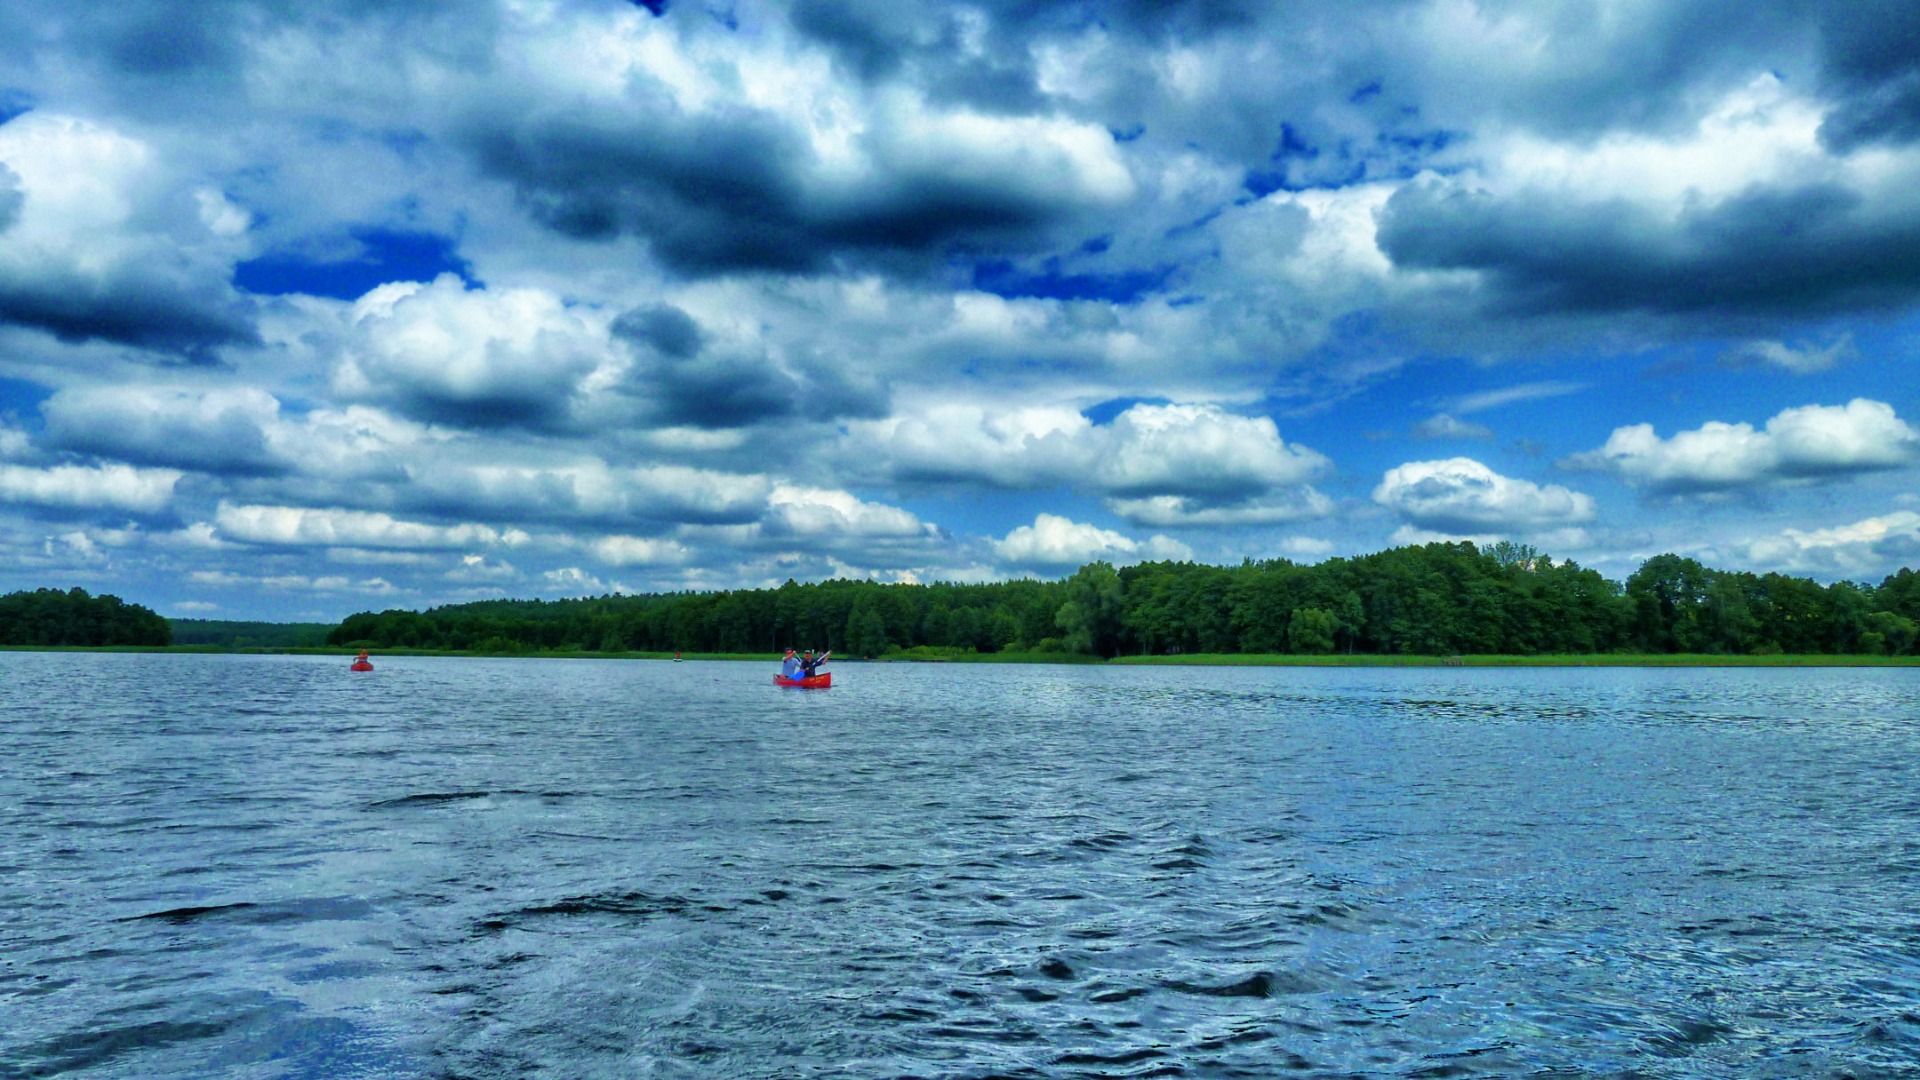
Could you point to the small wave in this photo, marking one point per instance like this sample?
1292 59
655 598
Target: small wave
429 798
1056 968
305 909
189 914
1120 1057
633 903
85 1049
1259 984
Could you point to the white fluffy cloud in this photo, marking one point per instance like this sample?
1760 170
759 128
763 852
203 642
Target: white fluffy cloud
82 487
1867 548
1055 542
1198 450
101 246
1160 464
299 526
593 491
475 357
821 512
1462 496
1796 444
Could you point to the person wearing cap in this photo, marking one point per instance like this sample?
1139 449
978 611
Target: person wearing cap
790 666
810 664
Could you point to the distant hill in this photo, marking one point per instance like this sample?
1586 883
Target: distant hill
53 617
233 634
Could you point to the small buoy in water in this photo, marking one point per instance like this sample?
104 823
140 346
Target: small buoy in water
361 663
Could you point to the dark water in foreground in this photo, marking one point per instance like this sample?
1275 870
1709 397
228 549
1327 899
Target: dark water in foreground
265 866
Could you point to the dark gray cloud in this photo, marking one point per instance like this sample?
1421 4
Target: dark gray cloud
1871 66
189 320
1769 252
220 433
682 382
158 56
725 191
664 328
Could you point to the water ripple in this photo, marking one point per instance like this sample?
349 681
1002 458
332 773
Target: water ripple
254 866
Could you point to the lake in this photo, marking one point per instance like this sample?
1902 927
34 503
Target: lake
262 866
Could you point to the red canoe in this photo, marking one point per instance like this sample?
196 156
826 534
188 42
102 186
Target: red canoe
360 665
814 682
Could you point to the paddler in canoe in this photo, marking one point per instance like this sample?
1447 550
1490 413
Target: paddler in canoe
804 670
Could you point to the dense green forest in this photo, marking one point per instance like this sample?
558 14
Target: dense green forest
52 617
1435 599
233 634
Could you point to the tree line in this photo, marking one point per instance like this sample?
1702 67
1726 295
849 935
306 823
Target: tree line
52 617
246 634
1433 599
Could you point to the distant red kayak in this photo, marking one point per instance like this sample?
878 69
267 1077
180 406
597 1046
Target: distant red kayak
360 665
814 682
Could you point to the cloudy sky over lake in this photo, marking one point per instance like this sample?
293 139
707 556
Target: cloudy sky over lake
308 308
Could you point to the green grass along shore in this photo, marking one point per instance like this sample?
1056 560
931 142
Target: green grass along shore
927 655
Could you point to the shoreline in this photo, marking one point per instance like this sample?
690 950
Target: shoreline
1693 660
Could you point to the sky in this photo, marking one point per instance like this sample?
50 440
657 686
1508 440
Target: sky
319 307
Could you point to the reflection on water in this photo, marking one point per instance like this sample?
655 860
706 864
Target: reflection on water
258 866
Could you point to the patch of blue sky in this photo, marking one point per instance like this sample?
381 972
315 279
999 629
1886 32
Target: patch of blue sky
20 401
1298 165
386 255
1104 412
13 103
1004 278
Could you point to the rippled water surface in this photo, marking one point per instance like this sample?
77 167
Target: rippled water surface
267 866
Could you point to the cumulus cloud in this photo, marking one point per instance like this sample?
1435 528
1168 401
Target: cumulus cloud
736 288
94 251
1054 542
821 512
1868 548
1160 464
1677 225
299 526
753 157
478 357
677 380
89 487
1462 496
593 492
573 579
475 568
220 429
1800 444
